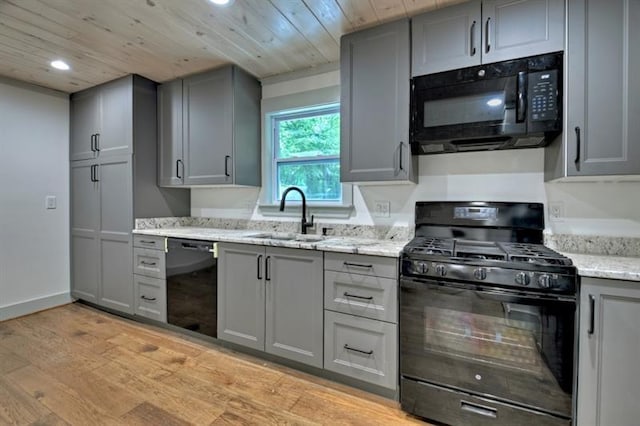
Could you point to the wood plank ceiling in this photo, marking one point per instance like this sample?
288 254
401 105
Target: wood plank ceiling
165 39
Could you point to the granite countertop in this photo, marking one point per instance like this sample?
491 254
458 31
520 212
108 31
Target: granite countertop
603 266
387 248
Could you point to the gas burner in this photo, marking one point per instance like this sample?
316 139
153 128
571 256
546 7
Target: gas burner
534 253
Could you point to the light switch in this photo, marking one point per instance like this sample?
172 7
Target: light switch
50 202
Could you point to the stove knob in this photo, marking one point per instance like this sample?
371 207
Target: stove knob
480 273
440 270
546 281
421 267
522 278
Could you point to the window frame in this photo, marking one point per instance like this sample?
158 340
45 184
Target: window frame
291 103
276 160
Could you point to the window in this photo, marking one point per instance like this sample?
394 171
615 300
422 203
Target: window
306 154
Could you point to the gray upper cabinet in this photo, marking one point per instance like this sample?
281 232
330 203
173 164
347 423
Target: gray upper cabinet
101 124
209 132
482 32
170 153
270 299
608 374
602 131
446 39
374 126
109 191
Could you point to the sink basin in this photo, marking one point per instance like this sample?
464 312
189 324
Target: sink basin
284 236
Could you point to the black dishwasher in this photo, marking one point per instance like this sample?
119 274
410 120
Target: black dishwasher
192 287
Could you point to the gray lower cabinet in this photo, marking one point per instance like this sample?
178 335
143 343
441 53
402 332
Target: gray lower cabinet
482 32
608 374
602 132
361 317
109 191
209 129
149 281
374 124
271 299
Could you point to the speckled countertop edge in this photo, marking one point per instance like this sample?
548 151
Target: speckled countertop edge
602 266
341 244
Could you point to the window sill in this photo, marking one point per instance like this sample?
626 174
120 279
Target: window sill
327 211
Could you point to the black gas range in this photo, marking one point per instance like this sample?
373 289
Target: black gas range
487 317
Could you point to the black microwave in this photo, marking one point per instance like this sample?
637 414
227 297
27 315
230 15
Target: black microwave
505 105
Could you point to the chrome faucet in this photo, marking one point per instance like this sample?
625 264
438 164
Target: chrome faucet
304 223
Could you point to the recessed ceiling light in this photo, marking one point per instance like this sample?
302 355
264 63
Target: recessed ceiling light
60 65
222 2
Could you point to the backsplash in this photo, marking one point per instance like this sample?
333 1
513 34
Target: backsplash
379 232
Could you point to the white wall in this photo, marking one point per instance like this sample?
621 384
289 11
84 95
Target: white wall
34 242
588 208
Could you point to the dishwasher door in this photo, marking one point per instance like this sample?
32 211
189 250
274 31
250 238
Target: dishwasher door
192 288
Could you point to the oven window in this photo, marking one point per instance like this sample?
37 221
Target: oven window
464 109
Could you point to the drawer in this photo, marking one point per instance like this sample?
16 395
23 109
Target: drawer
151 297
361 264
150 263
361 348
362 295
149 242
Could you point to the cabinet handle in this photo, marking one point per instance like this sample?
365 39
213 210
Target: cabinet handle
148 263
472 41
355 296
357 265
93 143
349 348
178 162
95 173
148 242
267 272
487 34
91 173
150 299
226 165
577 159
97 142
259 273
400 157
592 314
479 409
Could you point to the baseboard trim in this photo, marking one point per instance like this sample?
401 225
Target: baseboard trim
34 305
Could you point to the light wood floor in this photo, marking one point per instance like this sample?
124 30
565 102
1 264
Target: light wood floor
75 365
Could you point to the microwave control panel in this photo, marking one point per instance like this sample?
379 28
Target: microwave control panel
543 95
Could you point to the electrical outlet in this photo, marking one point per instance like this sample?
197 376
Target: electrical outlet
50 202
556 211
381 208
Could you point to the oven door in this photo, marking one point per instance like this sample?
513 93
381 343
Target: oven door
508 346
472 115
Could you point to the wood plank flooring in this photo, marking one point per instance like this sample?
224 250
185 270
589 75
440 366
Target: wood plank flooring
76 365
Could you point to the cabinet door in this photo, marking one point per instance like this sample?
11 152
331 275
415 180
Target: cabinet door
116 223
516 29
85 220
116 132
608 374
170 163
374 125
208 137
85 122
446 39
294 307
604 89
241 294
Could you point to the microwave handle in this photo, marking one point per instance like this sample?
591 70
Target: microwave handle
521 108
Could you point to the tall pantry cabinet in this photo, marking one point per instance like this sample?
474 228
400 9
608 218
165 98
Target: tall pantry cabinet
113 182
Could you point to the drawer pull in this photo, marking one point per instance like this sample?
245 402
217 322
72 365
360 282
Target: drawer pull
148 242
150 299
349 348
358 265
148 263
355 296
479 409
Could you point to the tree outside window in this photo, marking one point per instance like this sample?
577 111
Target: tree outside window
307 154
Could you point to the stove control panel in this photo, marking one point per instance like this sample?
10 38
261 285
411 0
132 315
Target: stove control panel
487 275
